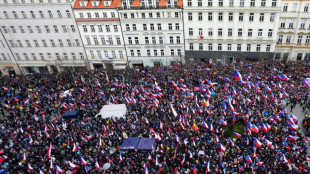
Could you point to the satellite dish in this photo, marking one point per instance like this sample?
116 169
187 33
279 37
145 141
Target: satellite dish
106 166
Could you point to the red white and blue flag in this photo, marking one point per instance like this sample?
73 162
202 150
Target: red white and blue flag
237 75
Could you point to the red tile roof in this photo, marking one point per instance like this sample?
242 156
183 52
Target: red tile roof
136 3
162 3
180 3
114 4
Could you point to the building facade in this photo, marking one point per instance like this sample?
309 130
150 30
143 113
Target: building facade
294 31
42 36
153 31
231 30
99 24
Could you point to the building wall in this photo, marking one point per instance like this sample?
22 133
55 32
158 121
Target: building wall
294 31
41 35
233 19
153 35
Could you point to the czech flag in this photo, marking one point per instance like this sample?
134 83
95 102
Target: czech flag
257 143
30 168
222 148
267 88
149 157
286 145
182 162
208 167
190 154
237 75
259 163
73 166
49 151
83 161
234 120
204 125
269 143
194 169
237 135
222 122
254 128
82 105
25 157
177 138
58 169
75 148
284 77
231 142
248 159
97 166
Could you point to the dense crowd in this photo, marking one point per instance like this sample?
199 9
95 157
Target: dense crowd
192 110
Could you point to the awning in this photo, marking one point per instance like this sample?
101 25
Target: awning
130 143
146 144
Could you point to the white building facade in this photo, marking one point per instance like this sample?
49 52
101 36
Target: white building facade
42 36
99 24
153 31
231 30
294 31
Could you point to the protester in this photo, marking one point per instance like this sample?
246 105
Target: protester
190 109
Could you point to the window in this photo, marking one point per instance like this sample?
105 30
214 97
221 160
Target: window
130 40
106 54
158 15
144 27
152 27
30 29
250 32
13 45
81 15
110 40
261 17
39 29
230 17
89 15
280 38
272 17
26 56
294 7
229 31
210 3
15 14
270 33
282 24
155 52
162 52
107 27
32 14
220 16
68 14
190 17
240 17
97 15
159 26
251 17
306 7
143 15
170 26
161 40
64 28
69 42
77 42
172 52
221 3
34 56
307 40
153 40
24 14
134 27
285 6
13 29
248 47
44 43
52 43
210 32
260 32
92 54
199 3
112 14
191 46
127 27
138 52
241 3
88 41
121 56
50 14
17 55
150 15
102 40
231 3
219 47
252 3
96 41
299 39
6 14
274 3
148 52
100 28
19 43
238 47
200 46
209 16
61 43
210 46
239 32
176 14
116 28
190 31
220 32
288 39
258 48
189 3
84 28
136 40
291 24
200 32
302 24
199 16
104 14
229 47
178 39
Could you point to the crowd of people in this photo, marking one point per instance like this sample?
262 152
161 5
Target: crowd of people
192 110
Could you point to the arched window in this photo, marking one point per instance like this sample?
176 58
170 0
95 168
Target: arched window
6 14
15 14
50 14
68 14
59 14
32 14
41 14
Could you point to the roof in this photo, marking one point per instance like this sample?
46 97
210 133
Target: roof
136 3
162 3
114 4
180 3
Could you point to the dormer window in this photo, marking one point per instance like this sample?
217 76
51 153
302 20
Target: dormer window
107 3
95 3
83 3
